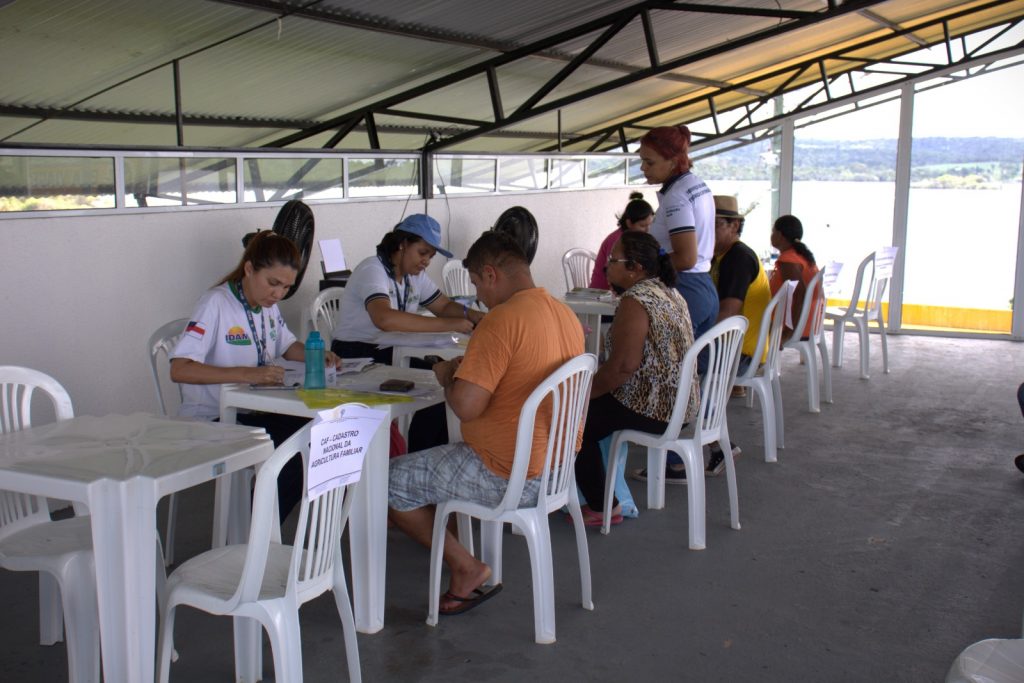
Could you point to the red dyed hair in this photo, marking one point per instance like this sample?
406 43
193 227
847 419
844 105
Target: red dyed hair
671 142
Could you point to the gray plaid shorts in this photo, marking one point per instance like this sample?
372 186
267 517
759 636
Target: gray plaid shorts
448 472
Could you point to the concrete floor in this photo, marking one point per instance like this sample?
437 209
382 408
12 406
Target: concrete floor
885 540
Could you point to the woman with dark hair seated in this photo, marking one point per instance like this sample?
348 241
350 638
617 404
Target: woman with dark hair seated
385 291
234 335
383 295
795 262
636 387
638 215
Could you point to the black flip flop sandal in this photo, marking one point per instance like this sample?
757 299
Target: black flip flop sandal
467 603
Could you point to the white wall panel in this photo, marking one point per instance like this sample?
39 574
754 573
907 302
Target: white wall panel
80 295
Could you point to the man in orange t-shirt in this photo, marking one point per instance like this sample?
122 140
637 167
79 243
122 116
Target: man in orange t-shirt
525 336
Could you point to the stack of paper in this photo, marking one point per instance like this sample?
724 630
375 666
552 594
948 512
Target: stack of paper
591 294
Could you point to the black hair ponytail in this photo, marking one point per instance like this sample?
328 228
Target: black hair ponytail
793 230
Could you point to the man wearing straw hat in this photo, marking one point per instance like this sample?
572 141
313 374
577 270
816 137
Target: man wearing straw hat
742 290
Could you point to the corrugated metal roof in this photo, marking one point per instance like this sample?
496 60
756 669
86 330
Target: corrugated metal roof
242 66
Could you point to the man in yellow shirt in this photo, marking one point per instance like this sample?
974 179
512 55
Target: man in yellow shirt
525 336
742 290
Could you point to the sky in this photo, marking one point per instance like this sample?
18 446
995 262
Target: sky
983 106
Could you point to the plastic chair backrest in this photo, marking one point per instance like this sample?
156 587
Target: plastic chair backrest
567 392
771 331
325 311
885 261
577 265
723 342
858 282
17 384
811 297
317 541
455 280
163 341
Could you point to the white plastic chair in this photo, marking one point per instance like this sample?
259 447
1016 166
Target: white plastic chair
860 317
577 265
995 660
61 551
455 280
723 342
813 308
325 311
266 580
764 381
843 315
567 391
163 342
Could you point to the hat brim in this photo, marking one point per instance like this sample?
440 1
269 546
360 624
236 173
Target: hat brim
725 213
442 252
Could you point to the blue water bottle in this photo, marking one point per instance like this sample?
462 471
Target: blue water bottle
314 361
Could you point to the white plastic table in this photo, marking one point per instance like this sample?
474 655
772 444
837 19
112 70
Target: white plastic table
368 525
589 312
120 466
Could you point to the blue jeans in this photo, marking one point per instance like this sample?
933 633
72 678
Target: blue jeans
701 298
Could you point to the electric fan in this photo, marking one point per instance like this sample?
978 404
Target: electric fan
519 223
294 221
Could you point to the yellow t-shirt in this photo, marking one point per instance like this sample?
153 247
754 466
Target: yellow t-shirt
731 272
515 346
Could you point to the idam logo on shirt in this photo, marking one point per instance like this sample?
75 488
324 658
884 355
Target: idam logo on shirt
236 336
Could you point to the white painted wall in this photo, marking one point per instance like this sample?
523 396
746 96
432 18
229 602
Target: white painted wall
80 295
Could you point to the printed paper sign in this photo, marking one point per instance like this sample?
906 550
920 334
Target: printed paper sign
338 442
334 258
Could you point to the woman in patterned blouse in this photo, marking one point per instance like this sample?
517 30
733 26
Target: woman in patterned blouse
636 387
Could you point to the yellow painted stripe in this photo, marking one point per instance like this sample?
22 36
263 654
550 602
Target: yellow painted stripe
948 317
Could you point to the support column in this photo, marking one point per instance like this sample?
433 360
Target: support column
901 205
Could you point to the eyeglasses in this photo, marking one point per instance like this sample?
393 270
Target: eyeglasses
618 260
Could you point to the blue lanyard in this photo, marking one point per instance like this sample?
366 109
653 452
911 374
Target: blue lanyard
259 341
400 297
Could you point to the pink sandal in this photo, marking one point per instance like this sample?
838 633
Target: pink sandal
592 518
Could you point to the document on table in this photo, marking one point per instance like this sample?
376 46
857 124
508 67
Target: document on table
295 372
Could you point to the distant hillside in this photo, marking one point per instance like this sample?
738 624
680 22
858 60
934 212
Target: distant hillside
936 161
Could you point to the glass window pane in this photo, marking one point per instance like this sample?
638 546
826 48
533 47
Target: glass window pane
45 183
277 179
178 181
606 172
523 174
455 176
965 201
745 173
383 177
844 188
567 172
636 176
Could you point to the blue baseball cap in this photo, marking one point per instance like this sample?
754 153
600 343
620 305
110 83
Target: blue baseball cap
426 228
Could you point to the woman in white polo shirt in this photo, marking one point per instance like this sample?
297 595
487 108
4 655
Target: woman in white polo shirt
235 333
385 291
684 223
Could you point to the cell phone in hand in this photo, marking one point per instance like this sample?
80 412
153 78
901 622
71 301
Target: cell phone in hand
397 385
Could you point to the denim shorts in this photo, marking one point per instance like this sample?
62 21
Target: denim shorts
448 472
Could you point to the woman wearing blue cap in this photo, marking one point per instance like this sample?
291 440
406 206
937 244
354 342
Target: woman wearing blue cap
385 291
383 295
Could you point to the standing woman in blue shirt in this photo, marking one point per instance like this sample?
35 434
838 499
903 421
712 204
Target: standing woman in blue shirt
684 223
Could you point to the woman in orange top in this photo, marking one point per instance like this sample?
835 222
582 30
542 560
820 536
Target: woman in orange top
795 262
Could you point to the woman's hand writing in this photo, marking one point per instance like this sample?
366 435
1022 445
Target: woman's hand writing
266 374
